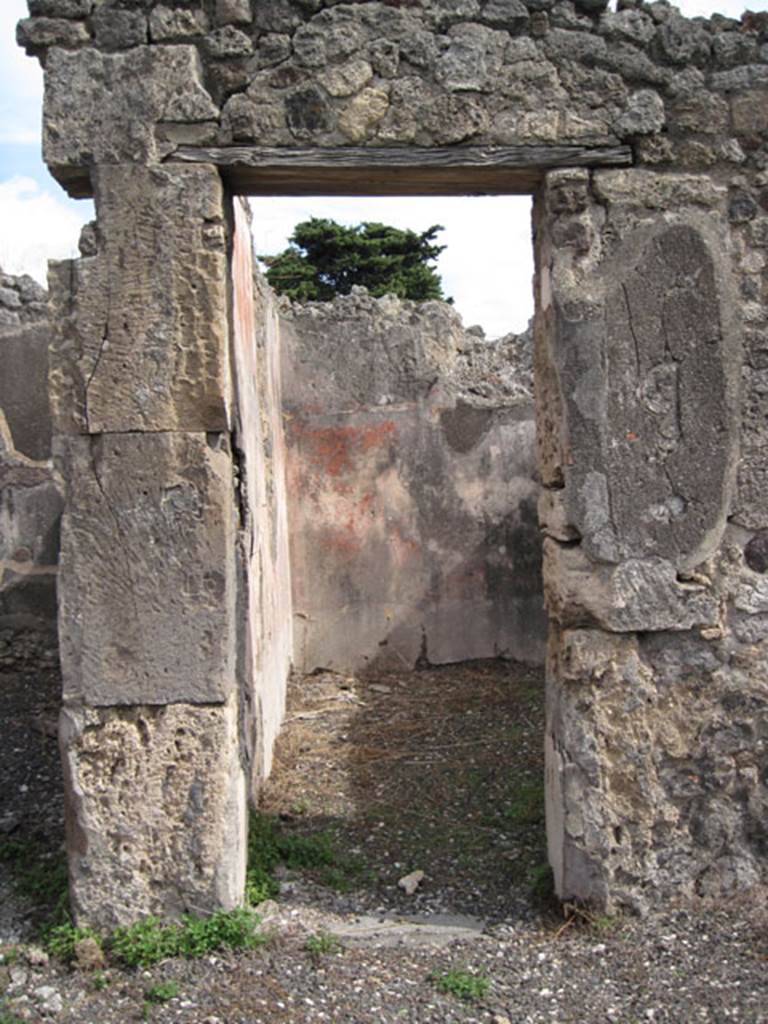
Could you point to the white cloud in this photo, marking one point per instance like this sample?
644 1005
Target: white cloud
730 8
21 81
36 227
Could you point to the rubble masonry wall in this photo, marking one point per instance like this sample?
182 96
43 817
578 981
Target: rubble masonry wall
643 136
30 505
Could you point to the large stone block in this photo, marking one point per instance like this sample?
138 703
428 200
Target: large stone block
24 389
637 594
141 339
603 797
156 811
642 354
102 108
147 568
654 765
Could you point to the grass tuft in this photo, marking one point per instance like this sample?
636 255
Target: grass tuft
161 991
61 939
462 984
321 943
269 846
148 941
527 805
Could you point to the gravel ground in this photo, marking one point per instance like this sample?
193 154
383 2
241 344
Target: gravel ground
436 771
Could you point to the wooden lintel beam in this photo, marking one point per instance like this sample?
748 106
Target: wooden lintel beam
250 170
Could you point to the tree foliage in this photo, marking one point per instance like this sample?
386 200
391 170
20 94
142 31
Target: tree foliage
325 259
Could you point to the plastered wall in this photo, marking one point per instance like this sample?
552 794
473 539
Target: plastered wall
414 533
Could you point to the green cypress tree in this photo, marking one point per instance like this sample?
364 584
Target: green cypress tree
325 259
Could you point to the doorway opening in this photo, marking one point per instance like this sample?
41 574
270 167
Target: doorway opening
413 737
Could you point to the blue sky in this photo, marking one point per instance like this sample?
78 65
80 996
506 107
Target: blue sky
487 270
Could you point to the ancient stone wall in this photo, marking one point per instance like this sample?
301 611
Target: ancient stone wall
265 620
657 695
414 533
650 336
30 505
175 604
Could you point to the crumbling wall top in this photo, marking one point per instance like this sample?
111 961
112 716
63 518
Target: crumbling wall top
22 301
143 81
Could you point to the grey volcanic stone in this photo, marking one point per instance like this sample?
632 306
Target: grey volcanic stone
127 342
172 23
228 42
119 30
36 35
96 97
511 15
188 820
140 624
60 8
233 12
644 114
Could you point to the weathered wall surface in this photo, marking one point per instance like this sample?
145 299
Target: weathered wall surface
175 603
413 526
293 73
266 626
658 704
651 423
149 581
30 505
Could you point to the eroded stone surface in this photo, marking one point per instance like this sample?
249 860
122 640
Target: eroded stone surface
501 73
30 503
141 327
157 813
92 100
147 568
645 350
653 598
656 768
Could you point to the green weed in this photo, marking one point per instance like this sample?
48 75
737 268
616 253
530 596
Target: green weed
541 882
161 991
604 923
227 929
6 1017
462 984
269 846
321 943
145 942
99 981
150 940
38 875
526 807
61 939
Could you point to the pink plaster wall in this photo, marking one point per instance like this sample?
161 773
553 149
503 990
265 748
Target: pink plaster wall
267 644
413 524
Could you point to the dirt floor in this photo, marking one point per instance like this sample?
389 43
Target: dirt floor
436 771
